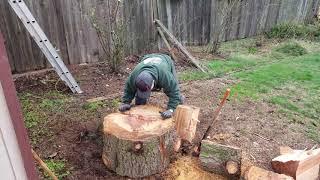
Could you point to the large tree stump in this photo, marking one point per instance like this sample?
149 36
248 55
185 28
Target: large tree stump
221 159
186 118
137 143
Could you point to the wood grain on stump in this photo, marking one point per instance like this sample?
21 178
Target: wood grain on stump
138 143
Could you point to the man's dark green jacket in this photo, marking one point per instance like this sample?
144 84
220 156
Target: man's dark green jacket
161 67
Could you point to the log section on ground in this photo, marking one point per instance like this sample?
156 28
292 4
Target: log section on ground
300 164
137 143
255 173
186 118
221 159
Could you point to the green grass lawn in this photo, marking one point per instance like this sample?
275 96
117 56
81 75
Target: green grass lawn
287 76
292 83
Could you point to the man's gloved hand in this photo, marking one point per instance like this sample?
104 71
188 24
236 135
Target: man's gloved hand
124 107
167 114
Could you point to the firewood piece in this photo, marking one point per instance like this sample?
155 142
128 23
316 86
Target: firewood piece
186 118
220 159
138 143
299 164
255 173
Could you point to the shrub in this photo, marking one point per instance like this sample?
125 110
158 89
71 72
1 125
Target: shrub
252 50
289 30
292 30
292 49
110 30
315 30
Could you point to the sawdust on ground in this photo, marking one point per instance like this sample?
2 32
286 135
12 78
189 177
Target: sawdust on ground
189 168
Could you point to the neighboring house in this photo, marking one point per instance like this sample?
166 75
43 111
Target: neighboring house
16 162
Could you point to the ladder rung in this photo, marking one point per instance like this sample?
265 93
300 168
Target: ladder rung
23 12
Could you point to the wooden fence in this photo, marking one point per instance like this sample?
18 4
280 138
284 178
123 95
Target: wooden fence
69 26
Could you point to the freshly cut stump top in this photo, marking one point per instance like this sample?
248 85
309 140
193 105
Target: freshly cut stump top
139 124
139 142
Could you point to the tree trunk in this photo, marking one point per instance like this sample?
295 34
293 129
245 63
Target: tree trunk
221 159
186 118
138 143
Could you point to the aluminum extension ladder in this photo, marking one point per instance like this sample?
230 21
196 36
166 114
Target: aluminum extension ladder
23 12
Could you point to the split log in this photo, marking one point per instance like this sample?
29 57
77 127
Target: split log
255 173
299 164
221 159
137 143
186 118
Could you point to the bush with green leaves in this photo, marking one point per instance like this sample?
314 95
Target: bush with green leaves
293 30
110 31
252 50
291 49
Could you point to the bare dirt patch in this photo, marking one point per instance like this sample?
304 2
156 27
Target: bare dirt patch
255 126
